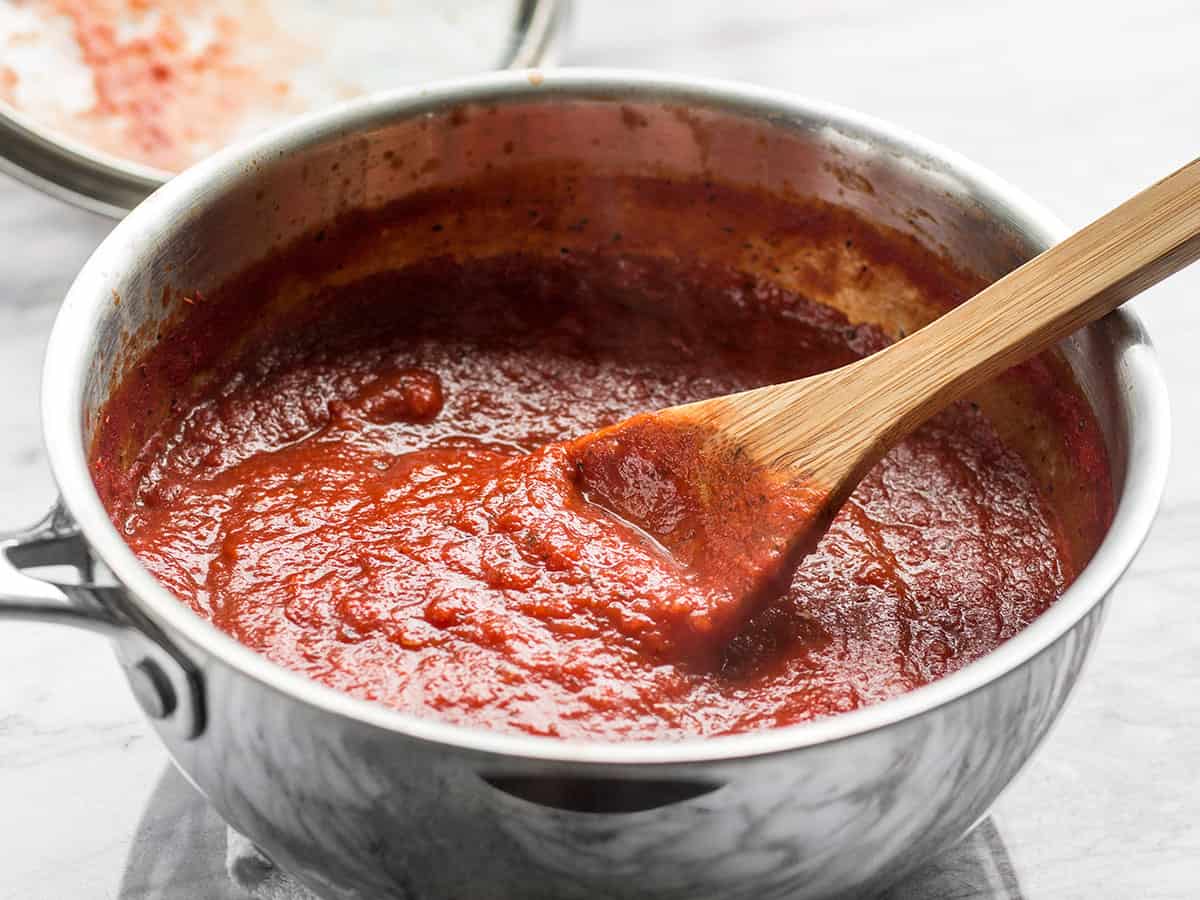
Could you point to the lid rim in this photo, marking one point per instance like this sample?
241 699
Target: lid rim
69 170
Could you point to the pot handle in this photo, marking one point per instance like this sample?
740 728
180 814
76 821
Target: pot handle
167 686
602 795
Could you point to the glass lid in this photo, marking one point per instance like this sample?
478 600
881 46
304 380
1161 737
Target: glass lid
103 100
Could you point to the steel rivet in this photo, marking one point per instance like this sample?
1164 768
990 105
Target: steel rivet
152 689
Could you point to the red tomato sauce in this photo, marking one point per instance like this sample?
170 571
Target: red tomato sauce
384 497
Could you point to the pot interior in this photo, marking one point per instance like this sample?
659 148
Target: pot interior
885 239
849 220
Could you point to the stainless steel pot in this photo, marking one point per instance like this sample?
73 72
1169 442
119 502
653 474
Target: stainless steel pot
361 801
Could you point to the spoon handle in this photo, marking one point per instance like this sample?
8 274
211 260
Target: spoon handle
832 428
1150 236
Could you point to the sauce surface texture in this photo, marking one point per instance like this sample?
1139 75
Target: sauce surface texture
381 500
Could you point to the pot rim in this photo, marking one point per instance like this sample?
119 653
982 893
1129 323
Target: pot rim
66 367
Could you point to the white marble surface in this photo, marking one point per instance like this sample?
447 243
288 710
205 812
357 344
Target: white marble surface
1079 103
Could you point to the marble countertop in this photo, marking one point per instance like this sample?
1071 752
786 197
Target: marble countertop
1080 104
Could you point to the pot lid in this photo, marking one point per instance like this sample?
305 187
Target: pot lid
101 101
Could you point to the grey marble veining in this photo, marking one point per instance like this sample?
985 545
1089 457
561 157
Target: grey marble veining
1078 103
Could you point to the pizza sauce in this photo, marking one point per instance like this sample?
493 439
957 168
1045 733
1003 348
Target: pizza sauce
385 495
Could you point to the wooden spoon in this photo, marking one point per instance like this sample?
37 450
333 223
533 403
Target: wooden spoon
740 488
